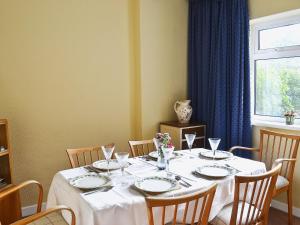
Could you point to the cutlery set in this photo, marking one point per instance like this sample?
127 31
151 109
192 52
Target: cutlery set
101 189
93 169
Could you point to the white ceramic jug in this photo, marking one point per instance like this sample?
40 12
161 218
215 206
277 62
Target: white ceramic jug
183 110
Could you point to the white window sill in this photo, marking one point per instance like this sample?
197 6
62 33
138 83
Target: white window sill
279 125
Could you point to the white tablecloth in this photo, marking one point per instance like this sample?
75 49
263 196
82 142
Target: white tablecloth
126 206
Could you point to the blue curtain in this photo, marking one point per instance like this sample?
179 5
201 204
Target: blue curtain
218 69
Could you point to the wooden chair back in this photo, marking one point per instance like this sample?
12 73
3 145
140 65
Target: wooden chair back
83 156
10 200
274 145
199 210
252 197
139 148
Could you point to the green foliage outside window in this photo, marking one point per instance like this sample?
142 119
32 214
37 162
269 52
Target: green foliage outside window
277 86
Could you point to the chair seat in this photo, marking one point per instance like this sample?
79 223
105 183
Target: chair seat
52 218
281 182
223 218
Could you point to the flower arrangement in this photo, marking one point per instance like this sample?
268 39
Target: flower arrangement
290 117
165 149
290 114
163 140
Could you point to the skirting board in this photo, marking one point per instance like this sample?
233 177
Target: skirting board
31 209
283 207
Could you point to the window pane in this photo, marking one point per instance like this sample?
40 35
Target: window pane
277 86
280 37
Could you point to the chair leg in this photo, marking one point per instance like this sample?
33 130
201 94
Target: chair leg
290 206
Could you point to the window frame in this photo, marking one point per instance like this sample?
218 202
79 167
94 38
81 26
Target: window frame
256 25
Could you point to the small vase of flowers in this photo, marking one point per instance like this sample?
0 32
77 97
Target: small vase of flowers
290 117
164 148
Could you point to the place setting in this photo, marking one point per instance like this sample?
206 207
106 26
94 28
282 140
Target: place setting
102 175
214 153
216 169
155 185
91 183
161 180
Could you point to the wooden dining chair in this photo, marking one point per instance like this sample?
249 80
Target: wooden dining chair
139 148
200 214
274 145
83 156
50 216
252 199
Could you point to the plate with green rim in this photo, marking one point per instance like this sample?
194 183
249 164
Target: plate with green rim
90 181
218 154
156 184
215 171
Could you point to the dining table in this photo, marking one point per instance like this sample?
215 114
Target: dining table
126 205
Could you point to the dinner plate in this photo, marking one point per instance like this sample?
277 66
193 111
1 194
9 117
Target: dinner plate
155 184
102 165
219 154
216 171
154 154
89 181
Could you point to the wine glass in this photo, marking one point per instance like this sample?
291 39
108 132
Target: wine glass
214 143
122 158
190 140
168 153
108 151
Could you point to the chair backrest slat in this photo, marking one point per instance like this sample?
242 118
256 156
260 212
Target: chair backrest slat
185 212
195 210
244 201
174 215
163 216
190 201
279 145
249 215
83 156
139 148
204 202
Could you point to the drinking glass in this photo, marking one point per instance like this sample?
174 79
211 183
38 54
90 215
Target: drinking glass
122 158
190 140
214 143
108 151
168 153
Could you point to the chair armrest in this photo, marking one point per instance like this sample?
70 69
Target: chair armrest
283 160
243 148
22 185
44 213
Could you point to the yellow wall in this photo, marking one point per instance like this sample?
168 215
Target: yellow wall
163 42
259 8
80 73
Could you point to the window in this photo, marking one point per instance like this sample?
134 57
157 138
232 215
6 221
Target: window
275 66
